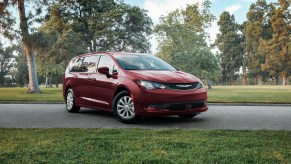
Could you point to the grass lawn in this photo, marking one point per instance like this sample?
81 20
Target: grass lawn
19 94
143 146
219 94
250 94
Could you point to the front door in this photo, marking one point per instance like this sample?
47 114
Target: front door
102 89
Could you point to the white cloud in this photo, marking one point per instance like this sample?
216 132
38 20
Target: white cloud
233 8
157 8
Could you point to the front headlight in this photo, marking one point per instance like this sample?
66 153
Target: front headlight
200 85
148 85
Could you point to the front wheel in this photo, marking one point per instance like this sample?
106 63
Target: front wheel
123 107
70 102
187 115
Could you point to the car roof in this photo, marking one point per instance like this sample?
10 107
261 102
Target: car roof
112 53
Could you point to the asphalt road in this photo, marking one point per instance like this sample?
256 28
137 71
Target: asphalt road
217 117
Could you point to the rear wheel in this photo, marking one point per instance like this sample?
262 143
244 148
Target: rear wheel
187 115
70 102
123 107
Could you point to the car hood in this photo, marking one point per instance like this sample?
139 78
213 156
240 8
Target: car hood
164 76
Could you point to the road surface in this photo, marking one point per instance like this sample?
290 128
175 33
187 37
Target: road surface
217 117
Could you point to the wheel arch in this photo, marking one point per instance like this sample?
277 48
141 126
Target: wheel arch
66 90
120 89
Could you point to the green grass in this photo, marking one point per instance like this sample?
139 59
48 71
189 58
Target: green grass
250 94
143 146
219 94
19 94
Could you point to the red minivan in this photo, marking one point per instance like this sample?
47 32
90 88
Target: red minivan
131 85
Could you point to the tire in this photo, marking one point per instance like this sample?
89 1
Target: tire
187 116
70 102
123 108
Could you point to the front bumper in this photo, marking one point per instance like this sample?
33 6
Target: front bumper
170 102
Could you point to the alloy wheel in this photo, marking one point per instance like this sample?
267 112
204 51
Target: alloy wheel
70 100
125 107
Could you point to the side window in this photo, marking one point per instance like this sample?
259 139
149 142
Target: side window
105 61
89 64
77 64
85 64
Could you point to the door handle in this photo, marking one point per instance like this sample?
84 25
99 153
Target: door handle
91 79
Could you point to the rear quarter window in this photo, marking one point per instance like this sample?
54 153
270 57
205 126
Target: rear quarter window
86 64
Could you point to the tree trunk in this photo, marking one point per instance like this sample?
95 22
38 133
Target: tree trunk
208 83
244 76
260 79
33 86
46 81
230 80
277 80
284 79
56 81
1 81
50 81
94 45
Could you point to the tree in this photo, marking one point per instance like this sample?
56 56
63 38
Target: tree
21 66
25 33
181 37
76 27
258 26
6 64
277 50
105 25
56 53
229 42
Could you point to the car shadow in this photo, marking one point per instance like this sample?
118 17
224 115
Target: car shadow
96 112
169 120
147 121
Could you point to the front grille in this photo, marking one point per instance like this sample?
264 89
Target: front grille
180 105
182 86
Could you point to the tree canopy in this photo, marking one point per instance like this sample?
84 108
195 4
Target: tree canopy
6 62
102 25
277 51
229 42
181 35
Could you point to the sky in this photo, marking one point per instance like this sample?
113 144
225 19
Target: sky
157 8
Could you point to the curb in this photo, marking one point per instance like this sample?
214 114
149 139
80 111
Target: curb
210 104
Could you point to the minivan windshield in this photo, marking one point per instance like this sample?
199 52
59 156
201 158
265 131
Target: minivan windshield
142 62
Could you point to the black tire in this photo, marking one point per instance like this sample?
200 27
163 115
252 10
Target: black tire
187 116
70 102
125 113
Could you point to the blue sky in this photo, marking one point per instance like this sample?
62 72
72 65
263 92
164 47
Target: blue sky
156 8
237 7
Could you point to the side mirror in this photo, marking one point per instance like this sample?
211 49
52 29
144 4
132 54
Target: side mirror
104 70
